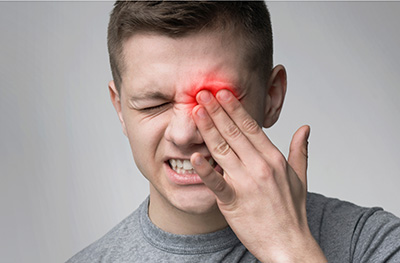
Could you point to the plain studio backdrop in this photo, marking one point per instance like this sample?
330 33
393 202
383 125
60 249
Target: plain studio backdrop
67 173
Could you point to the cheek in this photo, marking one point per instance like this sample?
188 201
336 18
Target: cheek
145 141
145 134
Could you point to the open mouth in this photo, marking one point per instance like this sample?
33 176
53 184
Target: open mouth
181 166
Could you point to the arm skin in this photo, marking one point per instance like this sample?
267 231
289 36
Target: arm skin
261 195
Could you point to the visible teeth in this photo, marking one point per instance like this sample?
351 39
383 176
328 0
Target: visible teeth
184 166
187 165
179 163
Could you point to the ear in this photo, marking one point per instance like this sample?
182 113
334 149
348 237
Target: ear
276 91
116 101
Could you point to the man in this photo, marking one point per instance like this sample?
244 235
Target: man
193 85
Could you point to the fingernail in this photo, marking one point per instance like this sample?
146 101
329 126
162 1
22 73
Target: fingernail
201 113
205 96
224 95
198 161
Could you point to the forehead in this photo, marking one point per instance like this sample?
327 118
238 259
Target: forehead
185 64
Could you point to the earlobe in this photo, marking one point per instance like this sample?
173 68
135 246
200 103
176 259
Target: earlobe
116 101
275 96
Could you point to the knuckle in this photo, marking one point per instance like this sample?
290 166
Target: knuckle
250 125
219 186
279 160
222 148
207 126
233 131
264 171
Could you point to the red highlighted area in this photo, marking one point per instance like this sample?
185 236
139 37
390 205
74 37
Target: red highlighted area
214 89
212 84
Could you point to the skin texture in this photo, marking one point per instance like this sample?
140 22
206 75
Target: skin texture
166 112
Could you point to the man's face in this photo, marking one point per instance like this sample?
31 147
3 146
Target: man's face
159 86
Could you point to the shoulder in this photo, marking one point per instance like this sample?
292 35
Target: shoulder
351 233
124 234
324 210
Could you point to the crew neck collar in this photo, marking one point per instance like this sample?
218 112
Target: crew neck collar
184 244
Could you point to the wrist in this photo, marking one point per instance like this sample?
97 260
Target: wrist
305 249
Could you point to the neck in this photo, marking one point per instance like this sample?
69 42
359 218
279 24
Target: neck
173 220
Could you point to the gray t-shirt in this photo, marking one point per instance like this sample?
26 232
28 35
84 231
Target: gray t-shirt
344 231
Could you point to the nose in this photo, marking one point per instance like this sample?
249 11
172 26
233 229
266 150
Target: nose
181 130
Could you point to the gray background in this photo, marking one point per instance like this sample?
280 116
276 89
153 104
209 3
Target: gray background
67 175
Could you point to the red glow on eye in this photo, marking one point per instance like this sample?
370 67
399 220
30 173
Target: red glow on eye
214 89
213 85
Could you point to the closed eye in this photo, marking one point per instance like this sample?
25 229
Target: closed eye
155 107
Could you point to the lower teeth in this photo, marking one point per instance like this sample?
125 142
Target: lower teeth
183 171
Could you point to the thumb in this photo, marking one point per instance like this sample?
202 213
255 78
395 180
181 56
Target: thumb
298 153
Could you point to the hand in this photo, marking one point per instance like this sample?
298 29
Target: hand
262 197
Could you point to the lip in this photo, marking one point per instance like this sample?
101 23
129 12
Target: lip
185 179
181 179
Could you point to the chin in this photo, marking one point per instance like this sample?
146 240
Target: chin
195 201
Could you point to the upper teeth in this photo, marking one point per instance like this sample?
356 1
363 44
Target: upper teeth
184 164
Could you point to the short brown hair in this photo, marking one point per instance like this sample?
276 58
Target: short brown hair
179 18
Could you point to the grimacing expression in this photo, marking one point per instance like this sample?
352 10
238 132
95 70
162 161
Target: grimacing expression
161 78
